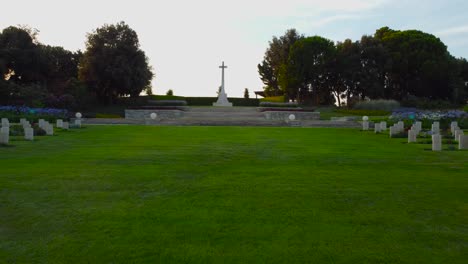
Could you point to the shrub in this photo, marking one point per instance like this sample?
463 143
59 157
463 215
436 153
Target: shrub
465 108
16 130
272 104
362 112
274 99
426 103
99 115
168 102
38 131
14 113
386 105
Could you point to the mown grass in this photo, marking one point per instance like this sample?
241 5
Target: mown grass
141 194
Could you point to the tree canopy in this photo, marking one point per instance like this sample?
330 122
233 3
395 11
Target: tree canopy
391 64
113 64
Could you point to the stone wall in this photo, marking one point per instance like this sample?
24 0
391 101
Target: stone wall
284 115
145 114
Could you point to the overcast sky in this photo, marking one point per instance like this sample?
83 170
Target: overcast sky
186 41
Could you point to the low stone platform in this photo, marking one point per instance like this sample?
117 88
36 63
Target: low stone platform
223 116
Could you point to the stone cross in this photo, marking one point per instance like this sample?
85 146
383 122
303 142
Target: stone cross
222 97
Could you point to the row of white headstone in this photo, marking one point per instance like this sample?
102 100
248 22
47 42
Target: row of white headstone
416 128
29 131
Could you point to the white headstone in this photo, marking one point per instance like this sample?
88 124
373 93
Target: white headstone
436 142
401 126
418 125
292 117
412 136
383 126
153 116
78 115
457 133
5 130
22 121
29 134
377 128
66 125
41 123
365 125
435 129
393 130
461 133
78 122
59 123
5 122
4 138
453 126
463 142
49 130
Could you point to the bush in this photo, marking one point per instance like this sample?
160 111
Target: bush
272 104
99 115
362 112
38 131
385 105
426 103
168 102
15 113
274 99
465 108
16 130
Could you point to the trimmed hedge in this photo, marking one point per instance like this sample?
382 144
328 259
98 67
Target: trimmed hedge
207 101
271 104
274 99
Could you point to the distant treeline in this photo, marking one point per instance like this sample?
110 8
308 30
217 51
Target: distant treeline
391 64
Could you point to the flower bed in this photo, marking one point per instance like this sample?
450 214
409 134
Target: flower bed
14 113
428 117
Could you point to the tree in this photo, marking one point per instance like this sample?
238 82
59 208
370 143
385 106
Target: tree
276 55
246 93
18 56
420 64
170 92
113 64
58 67
307 73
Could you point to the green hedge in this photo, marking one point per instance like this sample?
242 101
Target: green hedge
208 101
274 99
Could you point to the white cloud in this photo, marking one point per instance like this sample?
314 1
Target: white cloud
453 31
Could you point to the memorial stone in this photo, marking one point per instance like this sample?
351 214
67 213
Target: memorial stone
383 126
29 134
377 128
66 125
463 142
436 142
412 136
59 123
4 138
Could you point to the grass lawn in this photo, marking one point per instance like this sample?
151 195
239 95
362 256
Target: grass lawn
142 194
